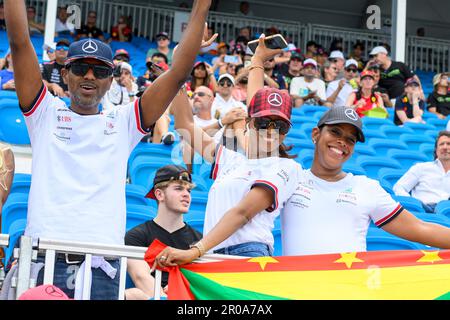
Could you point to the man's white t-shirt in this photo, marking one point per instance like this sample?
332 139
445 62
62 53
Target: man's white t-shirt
325 217
79 170
220 107
64 26
235 175
341 99
302 88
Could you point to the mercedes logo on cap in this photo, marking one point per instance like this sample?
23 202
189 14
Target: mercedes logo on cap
351 114
275 99
89 47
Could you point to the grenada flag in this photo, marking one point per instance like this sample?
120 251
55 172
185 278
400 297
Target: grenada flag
380 275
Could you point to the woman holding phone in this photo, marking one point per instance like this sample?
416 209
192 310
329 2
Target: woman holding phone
249 190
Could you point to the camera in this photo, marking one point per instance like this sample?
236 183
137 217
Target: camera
117 71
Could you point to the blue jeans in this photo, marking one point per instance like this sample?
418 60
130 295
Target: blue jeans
103 287
247 249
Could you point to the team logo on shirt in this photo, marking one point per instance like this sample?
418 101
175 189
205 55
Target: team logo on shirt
89 47
275 99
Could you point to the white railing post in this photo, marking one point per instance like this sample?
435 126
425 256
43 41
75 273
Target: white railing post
49 270
24 265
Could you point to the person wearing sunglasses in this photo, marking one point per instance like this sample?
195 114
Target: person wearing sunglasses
80 153
249 189
51 72
338 91
171 189
62 25
224 100
163 42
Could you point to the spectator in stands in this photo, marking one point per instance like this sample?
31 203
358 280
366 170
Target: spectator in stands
121 55
245 33
159 57
308 89
7 74
293 69
211 49
62 26
90 30
33 26
328 72
272 79
311 49
331 210
75 147
409 107
7 167
122 30
357 54
224 100
172 186
439 99
249 189
163 42
123 89
365 98
51 54
337 45
239 91
393 73
244 9
429 182
201 75
338 91
2 17
338 58
375 69
322 56
51 72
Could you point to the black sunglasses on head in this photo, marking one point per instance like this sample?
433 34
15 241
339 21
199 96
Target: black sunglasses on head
263 123
80 69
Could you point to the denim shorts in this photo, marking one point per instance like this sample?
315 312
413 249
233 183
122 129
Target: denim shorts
247 249
103 287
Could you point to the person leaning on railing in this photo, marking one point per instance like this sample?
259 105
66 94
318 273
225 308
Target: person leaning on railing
6 177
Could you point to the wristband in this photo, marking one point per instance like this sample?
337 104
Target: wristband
255 67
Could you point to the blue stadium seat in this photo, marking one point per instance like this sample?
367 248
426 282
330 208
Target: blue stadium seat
12 125
197 224
276 232
433 218
419 128
391 113
394 132
135 194
382 146
138 214
200 183
388 188
305 158
21 183
407 158
440 124
199 200
8 94
415 140
388 176
16 230
354 168
374 134
427 149
15 208
363 149
375 123
308 110
411 204
299 144
143 169
296 134
443 208
432 134
152 149
374 164
307 129
429 116
298 120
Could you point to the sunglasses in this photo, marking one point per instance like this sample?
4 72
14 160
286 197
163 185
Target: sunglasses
200 94
124 59
65 48
263 123
161 38
100 72
225 82
352 70
50 50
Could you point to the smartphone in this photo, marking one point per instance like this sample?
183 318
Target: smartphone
155 69
231 59
272 42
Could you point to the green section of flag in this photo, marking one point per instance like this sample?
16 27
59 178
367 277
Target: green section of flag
205 289
444 297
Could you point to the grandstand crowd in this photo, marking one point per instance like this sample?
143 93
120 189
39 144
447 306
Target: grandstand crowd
208 146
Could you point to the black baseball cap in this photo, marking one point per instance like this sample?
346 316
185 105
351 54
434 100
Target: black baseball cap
162 35
337 115
90 48
169 173
65 42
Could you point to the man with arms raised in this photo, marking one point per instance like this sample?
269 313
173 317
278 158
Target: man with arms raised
80 155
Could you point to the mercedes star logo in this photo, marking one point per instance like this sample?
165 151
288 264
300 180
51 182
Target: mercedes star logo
90 47
351 114
275 99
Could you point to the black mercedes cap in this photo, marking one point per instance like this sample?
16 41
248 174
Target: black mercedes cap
337 115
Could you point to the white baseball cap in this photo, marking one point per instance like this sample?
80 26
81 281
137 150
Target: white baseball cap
228 76
126 66
377 50
336 54
310 61
351 62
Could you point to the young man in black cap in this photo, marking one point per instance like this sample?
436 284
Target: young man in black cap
51 72
171 189
80 154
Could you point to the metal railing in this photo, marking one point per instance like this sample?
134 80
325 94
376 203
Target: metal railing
27 253
428 54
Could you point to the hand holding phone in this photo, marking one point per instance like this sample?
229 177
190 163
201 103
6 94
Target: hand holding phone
272 42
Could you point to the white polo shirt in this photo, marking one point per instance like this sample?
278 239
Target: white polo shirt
79 171
427 181
341 99
235 175
220 107
333 217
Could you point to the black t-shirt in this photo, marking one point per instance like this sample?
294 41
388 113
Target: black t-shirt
144 234
394 78
51 72
402 103
90 32
440 102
